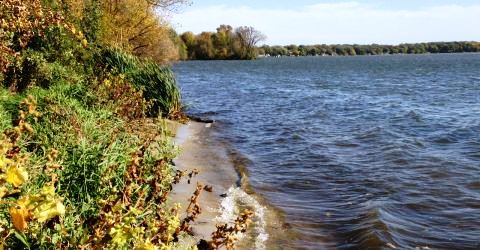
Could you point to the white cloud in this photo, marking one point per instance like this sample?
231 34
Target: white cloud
343 22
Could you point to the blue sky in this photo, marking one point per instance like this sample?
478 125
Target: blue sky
282 4
331 22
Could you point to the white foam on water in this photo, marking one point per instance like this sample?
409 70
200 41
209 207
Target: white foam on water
229 211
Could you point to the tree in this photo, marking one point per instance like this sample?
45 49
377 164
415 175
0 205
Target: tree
168 5
247 38
205 49
136 26
292 50
351 51
190 42
223 42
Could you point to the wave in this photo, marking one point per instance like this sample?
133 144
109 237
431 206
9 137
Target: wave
461 134
230 209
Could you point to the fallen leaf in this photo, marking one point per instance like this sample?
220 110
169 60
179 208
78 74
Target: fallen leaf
16 176
19 217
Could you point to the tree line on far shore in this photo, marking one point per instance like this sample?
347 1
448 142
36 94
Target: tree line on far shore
241 43
227 43
373 49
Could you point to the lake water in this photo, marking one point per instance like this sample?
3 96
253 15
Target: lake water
359 152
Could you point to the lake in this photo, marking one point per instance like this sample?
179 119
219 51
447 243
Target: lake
358 152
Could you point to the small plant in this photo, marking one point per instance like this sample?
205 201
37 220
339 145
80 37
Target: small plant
226 235
193 211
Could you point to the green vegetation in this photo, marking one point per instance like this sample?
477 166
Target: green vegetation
157 83
225 44
374 49
85 159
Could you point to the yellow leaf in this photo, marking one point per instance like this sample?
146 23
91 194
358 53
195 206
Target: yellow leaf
146 246
48 190
16 176
4 162
19 217
107 83
49 210
120 235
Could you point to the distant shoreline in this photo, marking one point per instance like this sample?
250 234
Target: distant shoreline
372 49
333 50
402 54
260 57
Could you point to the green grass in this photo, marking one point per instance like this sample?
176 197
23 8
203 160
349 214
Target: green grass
95 149
5 116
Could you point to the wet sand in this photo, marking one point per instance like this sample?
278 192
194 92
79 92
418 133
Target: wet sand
215 169
231 191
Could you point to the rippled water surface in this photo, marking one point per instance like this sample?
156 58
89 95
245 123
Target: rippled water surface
359 152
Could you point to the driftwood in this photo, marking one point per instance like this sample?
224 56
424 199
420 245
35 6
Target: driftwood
200 119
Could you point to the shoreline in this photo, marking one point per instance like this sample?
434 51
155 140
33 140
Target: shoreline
231 192
196 152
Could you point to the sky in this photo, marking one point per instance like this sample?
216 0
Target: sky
338 22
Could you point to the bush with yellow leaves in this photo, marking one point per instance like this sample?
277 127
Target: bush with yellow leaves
25 207
27 24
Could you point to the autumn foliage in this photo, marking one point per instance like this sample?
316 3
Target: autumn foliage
133 25
225 44
85 156
22 22
26 208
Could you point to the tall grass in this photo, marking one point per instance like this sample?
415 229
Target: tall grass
157 82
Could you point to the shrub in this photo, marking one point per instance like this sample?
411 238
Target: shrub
96 166
31 69
121 96
34 39
21 23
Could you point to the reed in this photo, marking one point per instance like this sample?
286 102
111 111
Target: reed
157 82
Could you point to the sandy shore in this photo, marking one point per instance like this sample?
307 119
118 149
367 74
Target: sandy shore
217 169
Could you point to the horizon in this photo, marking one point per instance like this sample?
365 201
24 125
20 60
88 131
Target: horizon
365 44
361 22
